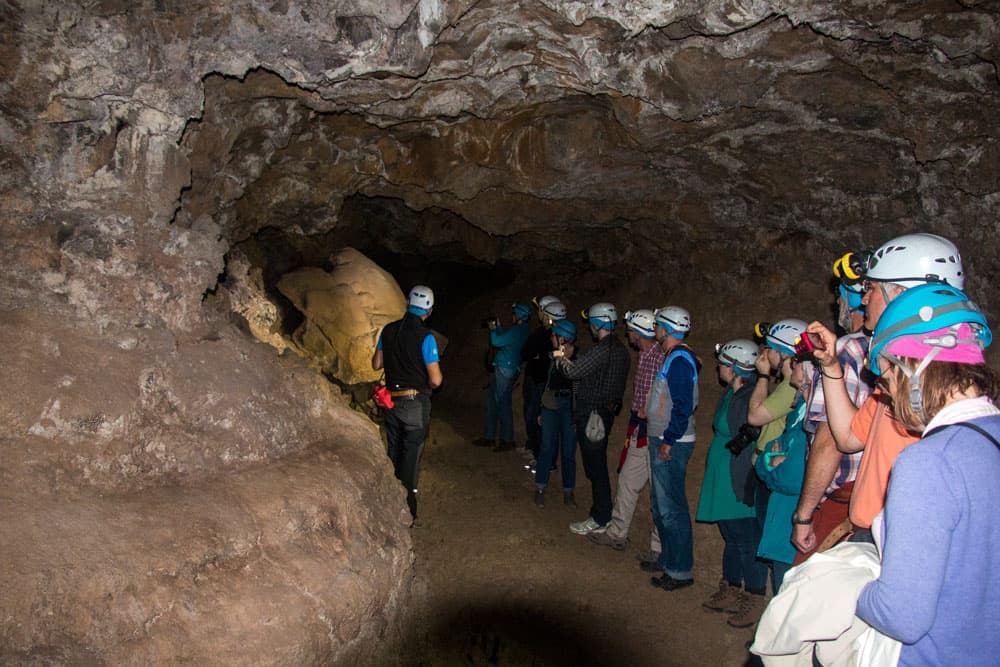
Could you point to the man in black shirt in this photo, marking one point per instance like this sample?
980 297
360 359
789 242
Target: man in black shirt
600 375
408 351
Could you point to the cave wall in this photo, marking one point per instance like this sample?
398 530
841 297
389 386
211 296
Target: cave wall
713 154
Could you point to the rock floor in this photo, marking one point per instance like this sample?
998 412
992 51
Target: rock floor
502 582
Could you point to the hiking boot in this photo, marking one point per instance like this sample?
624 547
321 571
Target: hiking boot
504 446
668 583
749 611
539 497
606 540
726 599
568 498
483 442
587 526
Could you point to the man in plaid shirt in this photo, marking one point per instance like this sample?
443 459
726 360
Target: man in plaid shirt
830 474
633 468
600 375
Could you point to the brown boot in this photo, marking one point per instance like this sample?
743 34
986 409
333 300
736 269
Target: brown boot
750 609
726 599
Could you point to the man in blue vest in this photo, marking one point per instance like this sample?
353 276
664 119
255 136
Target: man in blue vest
408 352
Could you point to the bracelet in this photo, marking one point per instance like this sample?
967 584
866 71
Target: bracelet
831 377
763 376
796 521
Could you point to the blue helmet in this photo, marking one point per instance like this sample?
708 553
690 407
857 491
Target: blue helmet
522 310
851 293
927 309
564 328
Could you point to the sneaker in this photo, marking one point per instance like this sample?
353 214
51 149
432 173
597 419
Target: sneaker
726 599
605 540
587 526
668 583
568 498
539 497
749 611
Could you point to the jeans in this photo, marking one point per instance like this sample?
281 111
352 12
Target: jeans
778 571
670 507
595 465
558 434
739 557
499 406
532 393
405 429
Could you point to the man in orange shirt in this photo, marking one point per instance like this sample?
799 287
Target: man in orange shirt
903 262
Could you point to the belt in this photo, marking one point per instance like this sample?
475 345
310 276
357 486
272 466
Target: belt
399 393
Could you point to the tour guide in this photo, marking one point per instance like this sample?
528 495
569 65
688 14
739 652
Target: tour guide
408 352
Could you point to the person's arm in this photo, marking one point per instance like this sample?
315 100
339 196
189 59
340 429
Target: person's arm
758 415
589 362
821 467
377 361
902 602
839 408
429 350
434 376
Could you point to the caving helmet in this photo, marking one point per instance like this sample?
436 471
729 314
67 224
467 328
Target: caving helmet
675 320
782 334
554 310
739 354
915 259
642 322
421 300
564 328
522 310
602 315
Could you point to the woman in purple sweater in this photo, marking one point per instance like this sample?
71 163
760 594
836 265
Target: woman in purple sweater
939 589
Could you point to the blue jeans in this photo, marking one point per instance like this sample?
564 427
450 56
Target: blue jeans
532 391
670 507
778 571
558 434
739 557
499 406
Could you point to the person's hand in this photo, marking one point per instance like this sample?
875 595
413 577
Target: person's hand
494 324
664 452
776 461
828 356
762 364
804 538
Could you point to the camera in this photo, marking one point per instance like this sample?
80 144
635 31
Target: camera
489 322
807 344
746 436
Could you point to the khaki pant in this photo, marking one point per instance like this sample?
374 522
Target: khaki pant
634 476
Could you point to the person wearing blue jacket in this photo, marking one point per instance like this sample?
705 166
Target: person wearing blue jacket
670 428
781 468
508 342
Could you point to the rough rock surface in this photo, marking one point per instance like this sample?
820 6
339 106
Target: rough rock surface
735 145
344 309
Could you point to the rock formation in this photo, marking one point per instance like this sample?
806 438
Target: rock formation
193 495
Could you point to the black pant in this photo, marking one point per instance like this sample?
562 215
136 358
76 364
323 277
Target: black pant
405 429
595 465
532 392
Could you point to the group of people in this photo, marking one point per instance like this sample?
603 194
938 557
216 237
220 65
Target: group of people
886 434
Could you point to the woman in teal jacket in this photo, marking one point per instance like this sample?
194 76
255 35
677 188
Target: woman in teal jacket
782 468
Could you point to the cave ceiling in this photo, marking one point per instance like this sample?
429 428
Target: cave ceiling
498 126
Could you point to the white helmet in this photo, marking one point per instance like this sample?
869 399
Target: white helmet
782 334
421 300
641 321
554 310
739 353
675 320
602 315
546 300
915 259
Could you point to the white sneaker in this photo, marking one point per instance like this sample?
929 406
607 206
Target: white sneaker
587 526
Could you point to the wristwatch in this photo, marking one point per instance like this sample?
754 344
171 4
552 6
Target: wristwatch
800 522
763 376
